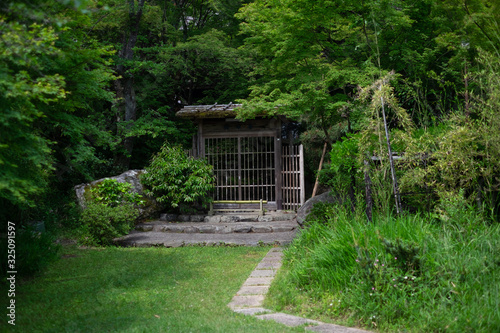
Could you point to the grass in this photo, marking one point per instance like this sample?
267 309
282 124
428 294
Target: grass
140 290
406 274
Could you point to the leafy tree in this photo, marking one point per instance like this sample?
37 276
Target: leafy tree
24 152
52 78
46 80
184 53
312 55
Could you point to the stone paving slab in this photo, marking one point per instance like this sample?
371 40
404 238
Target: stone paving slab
217 228
267 265
252 290
252 311
274 253
239 302
263 272
287 319
262 229
271 260
232 217
331 328
258 281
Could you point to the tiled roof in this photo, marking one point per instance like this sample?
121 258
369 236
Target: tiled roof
208 111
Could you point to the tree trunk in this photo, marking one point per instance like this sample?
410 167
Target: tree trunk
316 184
124 86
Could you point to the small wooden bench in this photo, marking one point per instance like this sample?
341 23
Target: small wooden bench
260 202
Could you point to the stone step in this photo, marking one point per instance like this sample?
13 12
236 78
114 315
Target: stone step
148 239
218 228
230 218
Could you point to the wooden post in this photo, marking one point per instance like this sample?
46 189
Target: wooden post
240 195
277 171
302 177
319 169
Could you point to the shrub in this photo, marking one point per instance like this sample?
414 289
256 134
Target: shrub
111 212
177 180
102 223
112 193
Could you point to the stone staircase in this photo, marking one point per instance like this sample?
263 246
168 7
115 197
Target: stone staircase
226 229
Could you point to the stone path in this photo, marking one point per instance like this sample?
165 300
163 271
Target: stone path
250 298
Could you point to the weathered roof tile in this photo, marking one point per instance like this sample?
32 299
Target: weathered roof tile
208 111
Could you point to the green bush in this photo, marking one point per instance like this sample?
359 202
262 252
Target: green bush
177 180
111 212
112 193
102 223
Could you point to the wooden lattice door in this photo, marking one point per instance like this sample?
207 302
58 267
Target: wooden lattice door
244 167
292 177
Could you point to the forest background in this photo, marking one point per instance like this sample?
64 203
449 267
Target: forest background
90 89
405 94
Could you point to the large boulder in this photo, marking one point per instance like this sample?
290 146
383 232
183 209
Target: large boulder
308 205
149 209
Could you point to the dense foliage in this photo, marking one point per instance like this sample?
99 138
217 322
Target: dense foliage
110 212
426 71
178 181
406 95
112 193
84 84
35 250
100 224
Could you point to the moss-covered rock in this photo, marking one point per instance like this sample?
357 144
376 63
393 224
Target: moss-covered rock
149 209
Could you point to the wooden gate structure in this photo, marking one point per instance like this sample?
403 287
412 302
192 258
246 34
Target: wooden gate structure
250 163
292 175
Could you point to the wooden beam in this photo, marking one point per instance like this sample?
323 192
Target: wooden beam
302 176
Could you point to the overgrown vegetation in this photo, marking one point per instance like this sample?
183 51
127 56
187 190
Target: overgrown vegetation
410 271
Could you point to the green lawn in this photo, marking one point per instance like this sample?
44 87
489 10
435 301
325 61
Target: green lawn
141 290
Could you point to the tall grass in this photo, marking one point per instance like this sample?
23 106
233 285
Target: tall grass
396 274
